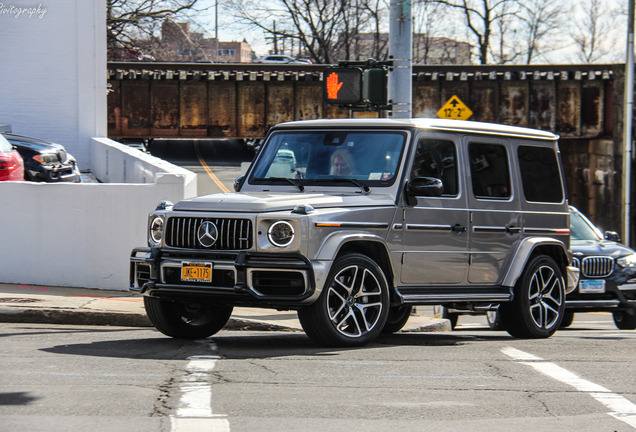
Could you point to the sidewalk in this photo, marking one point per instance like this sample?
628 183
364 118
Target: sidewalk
63 305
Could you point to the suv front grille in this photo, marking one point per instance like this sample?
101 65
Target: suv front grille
595 266
232 234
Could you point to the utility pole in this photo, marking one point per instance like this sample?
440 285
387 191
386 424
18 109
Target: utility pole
627 124
401 52
216 31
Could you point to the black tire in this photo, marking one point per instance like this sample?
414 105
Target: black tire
624 320
493 318
451 316
538 305
186 320
353 306
397 318
568 319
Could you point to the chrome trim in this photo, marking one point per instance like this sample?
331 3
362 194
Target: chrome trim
428 227
627 287
331 224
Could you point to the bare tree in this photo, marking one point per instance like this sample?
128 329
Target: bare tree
539 19
130 21
481 17
326 30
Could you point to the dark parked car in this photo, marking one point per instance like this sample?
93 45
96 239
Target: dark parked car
607 278
45 161
11 165
608 274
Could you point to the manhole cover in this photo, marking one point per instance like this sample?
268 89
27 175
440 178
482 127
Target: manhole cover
18 300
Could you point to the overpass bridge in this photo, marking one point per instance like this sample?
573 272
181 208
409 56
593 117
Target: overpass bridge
581 103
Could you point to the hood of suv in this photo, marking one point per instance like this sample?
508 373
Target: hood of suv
270 201
599 248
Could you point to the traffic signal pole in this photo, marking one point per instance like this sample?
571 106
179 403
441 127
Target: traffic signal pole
401 52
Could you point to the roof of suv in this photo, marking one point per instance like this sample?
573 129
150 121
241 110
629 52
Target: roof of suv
429 123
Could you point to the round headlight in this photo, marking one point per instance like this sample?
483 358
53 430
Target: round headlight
280 233
156 230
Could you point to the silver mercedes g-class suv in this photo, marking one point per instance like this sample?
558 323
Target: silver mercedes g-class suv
353 222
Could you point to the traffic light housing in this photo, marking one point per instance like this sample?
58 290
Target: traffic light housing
374 89
357 85
343 85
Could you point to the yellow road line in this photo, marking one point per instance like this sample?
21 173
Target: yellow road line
207 169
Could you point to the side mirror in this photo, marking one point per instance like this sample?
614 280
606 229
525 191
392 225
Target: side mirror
613 236
238 182
423 186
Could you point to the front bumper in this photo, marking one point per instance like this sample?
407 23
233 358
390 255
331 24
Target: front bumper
244 278
617 294
57 173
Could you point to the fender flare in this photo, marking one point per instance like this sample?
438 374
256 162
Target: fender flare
523 253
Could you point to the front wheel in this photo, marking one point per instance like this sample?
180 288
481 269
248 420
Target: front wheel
624 320
186 320
353 306
538 305
397 318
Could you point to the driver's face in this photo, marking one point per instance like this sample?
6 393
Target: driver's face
340 166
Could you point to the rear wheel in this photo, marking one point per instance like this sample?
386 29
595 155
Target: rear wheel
494 320
398 316
539 301
450 316
624 320
353 306
186 320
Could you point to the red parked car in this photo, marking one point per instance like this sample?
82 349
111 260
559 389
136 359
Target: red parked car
11 163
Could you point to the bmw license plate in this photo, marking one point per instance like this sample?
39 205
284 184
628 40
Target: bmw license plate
592 286
196 271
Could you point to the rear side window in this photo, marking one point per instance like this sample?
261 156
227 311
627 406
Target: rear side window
489 170
540 174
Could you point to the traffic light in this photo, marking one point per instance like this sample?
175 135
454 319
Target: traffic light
374 90
343 85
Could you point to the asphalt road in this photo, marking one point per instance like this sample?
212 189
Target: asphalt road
58 378
216 162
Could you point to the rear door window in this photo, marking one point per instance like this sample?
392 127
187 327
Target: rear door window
489 171
540 176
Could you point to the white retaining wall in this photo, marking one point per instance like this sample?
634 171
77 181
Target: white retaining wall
81 234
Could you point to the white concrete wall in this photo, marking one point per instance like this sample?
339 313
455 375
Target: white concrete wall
81 234
53 71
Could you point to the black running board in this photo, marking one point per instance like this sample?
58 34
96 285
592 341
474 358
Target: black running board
440 295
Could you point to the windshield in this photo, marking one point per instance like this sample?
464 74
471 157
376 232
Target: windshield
330 157
581 228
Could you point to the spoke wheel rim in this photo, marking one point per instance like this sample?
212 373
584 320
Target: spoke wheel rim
545 297
354 301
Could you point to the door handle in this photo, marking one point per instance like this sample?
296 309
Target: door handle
458 228
511 229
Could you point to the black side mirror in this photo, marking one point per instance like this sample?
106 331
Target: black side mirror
423 186
238 182
613 236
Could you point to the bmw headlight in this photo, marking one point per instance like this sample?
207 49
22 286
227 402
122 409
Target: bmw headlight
280 233
628 261
155 230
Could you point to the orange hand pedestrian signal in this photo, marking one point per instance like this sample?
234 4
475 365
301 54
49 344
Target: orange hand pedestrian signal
343 85
333 86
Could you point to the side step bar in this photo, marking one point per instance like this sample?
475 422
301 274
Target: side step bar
437 295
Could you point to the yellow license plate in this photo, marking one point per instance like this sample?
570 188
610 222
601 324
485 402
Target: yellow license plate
196 272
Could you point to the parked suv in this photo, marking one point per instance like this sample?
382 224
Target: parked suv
608 274
372 217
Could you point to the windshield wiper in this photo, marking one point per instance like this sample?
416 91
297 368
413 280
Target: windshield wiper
362 186
299 186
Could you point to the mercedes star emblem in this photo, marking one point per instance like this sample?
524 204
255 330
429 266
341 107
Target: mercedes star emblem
207 234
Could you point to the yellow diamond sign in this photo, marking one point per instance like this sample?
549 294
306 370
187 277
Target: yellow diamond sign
454 109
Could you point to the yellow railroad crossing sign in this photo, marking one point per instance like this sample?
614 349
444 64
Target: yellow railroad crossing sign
454 109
